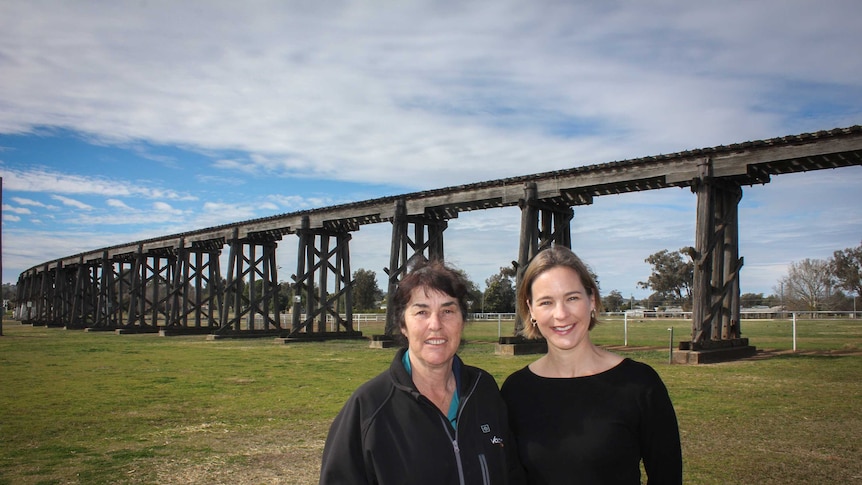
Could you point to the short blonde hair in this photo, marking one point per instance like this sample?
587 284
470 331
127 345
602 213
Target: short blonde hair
553 257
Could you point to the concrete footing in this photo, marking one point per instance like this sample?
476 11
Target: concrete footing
382 342
520 346
713 351
135 330
176 331
320 337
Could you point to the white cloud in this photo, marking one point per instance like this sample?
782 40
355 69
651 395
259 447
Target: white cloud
165 208
117 204
416 93
51 181
30 202
217 213
153 221
17 210
72 202
25 249
292 203
425 95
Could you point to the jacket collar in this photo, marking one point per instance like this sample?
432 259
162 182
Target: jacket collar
402 379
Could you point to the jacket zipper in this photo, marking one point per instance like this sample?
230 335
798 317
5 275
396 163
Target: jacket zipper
457 458
448 428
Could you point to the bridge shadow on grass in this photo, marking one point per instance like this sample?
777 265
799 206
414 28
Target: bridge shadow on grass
804 354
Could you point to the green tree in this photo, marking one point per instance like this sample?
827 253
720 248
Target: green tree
613 301
366 293
752 299
499 296
258 290
285 296
846 267
672 275
773 300
303 295
10 292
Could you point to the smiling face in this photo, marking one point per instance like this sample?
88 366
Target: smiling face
432 325
561 307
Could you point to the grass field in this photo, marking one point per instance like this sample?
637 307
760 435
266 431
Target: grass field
100 408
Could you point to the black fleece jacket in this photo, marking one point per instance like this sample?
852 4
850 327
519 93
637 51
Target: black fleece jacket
388 433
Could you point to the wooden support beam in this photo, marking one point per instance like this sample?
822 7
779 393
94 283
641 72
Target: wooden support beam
197 270
245 267
715 291
543 223
329 267
427 242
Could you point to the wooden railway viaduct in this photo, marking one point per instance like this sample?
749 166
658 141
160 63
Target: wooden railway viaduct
158 284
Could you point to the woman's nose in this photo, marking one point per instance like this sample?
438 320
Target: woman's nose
560 311
434 321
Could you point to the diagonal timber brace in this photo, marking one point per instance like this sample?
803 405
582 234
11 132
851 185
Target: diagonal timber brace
715 295
427 241
251 289
320 268
196 289
543 223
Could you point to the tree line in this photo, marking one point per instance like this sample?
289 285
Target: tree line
809 285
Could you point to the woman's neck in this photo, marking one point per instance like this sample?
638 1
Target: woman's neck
582 361
437 384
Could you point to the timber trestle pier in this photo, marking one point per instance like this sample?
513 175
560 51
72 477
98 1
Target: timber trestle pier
174 284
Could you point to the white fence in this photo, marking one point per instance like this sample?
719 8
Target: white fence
634 315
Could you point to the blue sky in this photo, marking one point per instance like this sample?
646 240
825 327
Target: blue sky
127 120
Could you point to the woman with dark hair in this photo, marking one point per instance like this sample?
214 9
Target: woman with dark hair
429 418
580 413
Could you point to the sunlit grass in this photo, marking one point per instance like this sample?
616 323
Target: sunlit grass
78 407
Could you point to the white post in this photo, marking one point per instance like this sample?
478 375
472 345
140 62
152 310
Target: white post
499 324
626 329
670 349
794 331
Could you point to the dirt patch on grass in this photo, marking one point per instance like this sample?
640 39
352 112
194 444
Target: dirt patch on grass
218 455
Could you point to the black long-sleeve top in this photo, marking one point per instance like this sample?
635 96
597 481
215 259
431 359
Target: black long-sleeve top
595 429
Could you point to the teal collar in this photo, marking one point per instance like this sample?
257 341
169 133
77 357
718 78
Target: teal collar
456 369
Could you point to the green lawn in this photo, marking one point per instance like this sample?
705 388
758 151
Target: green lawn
94 407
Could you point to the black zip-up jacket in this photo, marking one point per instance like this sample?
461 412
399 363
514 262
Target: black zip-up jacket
388 433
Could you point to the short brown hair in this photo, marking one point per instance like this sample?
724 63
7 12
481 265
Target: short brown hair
431 275
553 257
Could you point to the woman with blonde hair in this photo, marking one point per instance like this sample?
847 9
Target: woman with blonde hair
580 413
